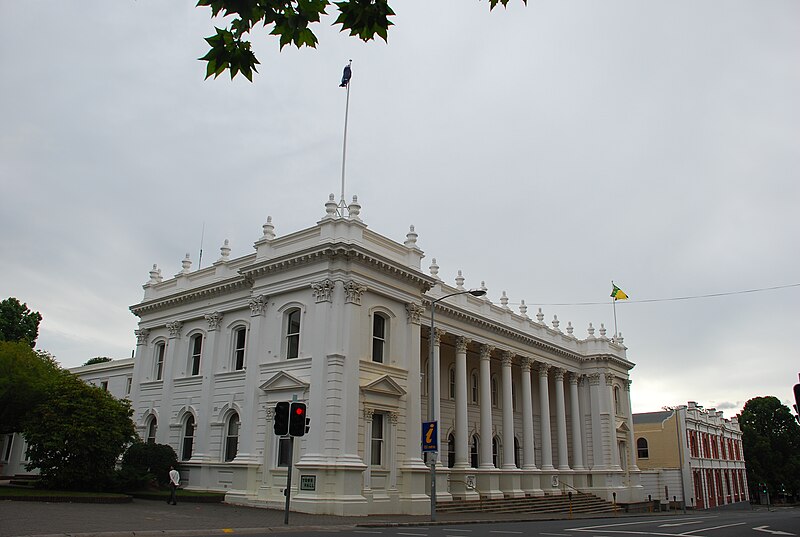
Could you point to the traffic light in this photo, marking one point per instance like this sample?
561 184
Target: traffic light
281 425
297 419
797 398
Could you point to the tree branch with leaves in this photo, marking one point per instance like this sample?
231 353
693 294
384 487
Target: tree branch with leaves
290 21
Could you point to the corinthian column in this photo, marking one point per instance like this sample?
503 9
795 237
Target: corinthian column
486 408
561 420
544 404
461 403
575 421
528 453
508 413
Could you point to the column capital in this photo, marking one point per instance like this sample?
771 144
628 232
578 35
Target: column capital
368 413
258 305
486 352
594 379
141 336
507 358
174 329
574 377
437 336
414 312
214 320
353 291
627 383
323 290
527 364
462 343
543 369
558 373
609 379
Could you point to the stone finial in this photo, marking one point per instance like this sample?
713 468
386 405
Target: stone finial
523 309
504 301
269 230
556 322
411 238
155 274
602 330
619 339
485 291
330 207
434 268
460 281
186 264
570 329
354 209
590 330
224 252
540 316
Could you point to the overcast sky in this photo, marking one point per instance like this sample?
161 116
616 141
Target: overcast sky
545 150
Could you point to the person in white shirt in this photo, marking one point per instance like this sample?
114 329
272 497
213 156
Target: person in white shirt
174 483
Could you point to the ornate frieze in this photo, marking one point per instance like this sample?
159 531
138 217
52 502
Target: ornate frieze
258 305
414 312
214 319
353 291
141 336
174 329
323 291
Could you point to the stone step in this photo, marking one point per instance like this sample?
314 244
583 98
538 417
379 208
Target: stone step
581 503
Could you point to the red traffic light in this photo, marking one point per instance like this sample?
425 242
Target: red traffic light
297 419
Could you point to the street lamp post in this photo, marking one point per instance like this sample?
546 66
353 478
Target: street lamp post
432 388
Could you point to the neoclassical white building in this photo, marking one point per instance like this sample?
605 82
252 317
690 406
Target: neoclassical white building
338 316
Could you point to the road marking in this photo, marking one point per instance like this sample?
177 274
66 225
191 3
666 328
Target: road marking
773 532
714 528
505 531
680 524
366 531
556 534
455 529
417 534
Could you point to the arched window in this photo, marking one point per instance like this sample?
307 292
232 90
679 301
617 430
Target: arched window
232 437
451 377
496 452
239 343
195 351
379 323
616 400
293 333
517 453
495 393
451 450
187 442
642 452
475 388
158 360
152 428
473 451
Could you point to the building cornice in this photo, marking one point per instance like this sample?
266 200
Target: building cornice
203 292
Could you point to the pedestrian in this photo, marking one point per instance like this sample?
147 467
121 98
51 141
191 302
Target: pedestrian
174 482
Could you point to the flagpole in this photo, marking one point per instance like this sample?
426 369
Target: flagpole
342 203
614 303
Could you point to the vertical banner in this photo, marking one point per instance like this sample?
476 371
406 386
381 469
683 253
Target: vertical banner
430 437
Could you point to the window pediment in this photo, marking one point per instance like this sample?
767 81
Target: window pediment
383 391
282 382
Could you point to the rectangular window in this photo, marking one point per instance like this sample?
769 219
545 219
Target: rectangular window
128 384
378 337
159 365
293 334
197 351
376 458
240 339
7 448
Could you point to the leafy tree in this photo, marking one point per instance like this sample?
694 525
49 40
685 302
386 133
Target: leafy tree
771 441
26 378
145 462
77 434
290 20
18 323
98 360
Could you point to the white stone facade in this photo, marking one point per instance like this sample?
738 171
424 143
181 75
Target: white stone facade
338 316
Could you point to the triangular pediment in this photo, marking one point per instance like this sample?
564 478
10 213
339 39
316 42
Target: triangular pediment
622 427
284 382
384 386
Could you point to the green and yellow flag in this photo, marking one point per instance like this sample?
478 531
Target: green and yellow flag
617 293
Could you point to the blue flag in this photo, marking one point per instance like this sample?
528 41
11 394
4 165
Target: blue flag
346 76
